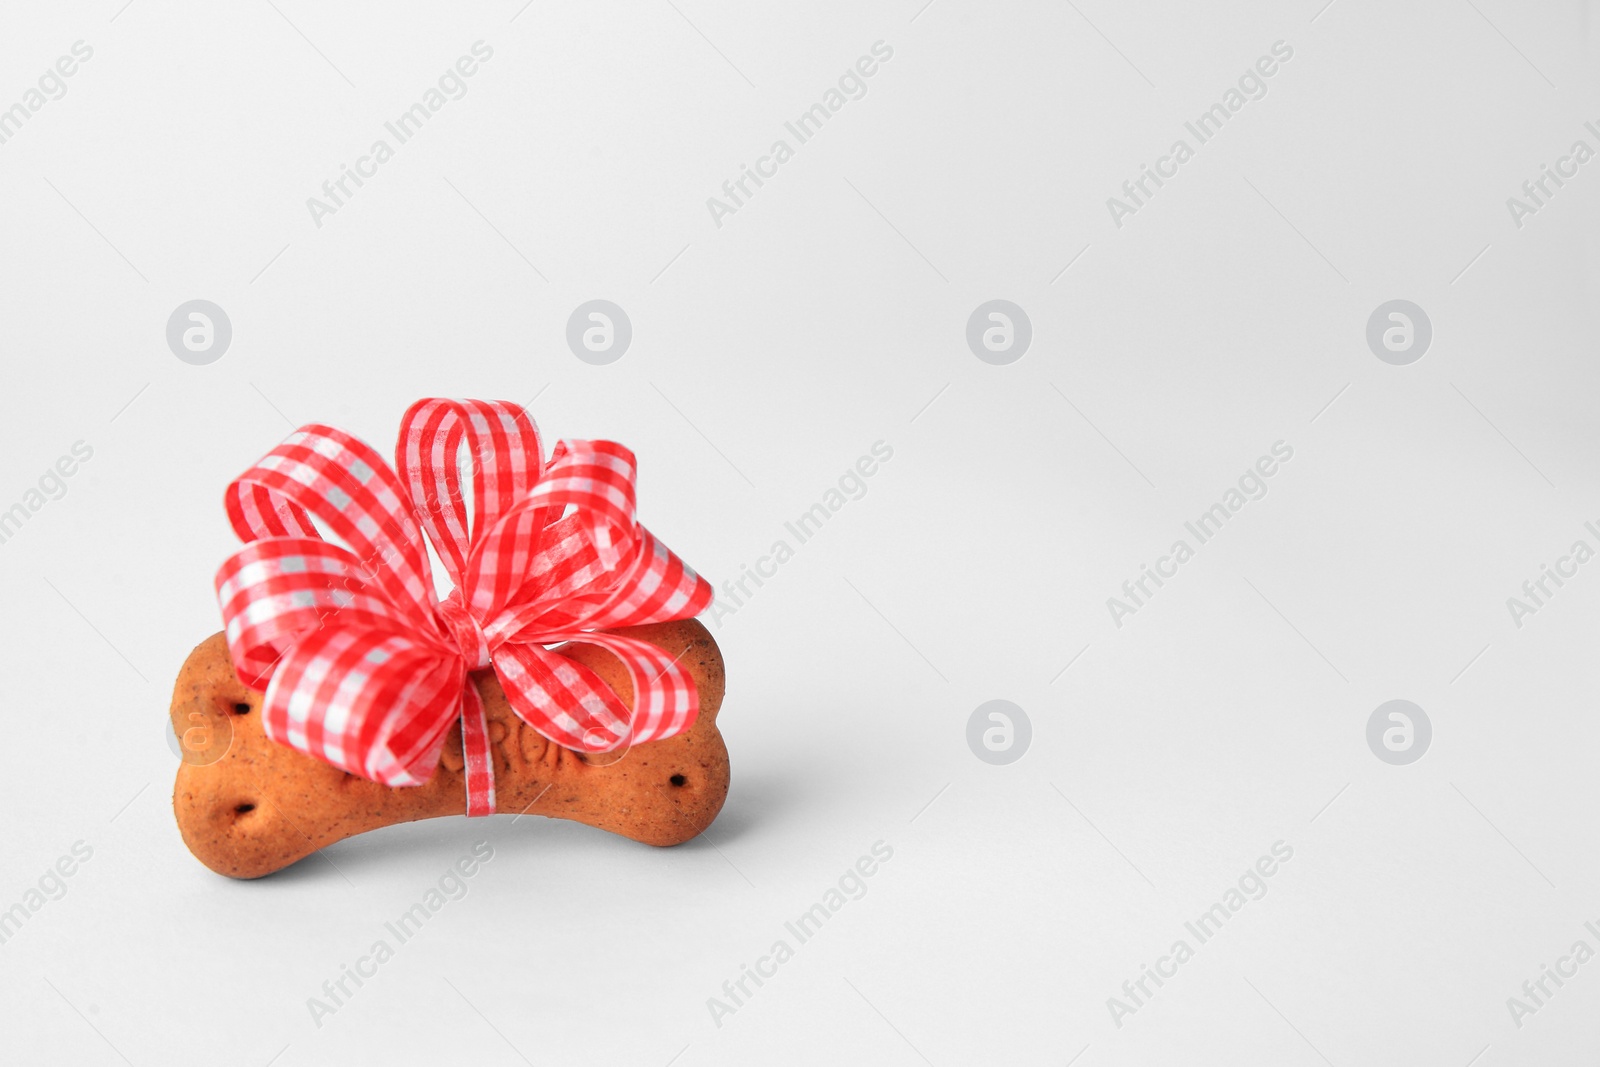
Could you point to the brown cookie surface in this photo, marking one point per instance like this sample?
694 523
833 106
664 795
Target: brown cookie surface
262 806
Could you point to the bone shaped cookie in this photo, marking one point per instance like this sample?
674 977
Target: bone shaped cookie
262 806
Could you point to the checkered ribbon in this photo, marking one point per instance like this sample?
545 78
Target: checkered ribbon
367 669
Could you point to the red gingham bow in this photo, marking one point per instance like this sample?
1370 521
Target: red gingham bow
365 668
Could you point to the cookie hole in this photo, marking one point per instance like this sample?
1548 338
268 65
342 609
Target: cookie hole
243 809
678 780
241 709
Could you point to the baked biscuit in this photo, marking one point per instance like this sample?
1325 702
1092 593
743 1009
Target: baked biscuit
262 806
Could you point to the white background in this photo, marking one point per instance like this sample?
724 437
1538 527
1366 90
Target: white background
769 353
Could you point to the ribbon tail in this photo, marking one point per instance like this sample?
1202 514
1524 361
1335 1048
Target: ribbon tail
476 752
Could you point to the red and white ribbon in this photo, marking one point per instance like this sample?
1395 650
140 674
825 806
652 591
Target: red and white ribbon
366 668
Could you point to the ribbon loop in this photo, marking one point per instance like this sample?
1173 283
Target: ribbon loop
366 668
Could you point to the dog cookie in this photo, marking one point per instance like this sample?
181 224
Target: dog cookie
562 675
262 806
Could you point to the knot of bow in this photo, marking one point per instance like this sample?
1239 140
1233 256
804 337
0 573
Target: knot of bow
367 668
